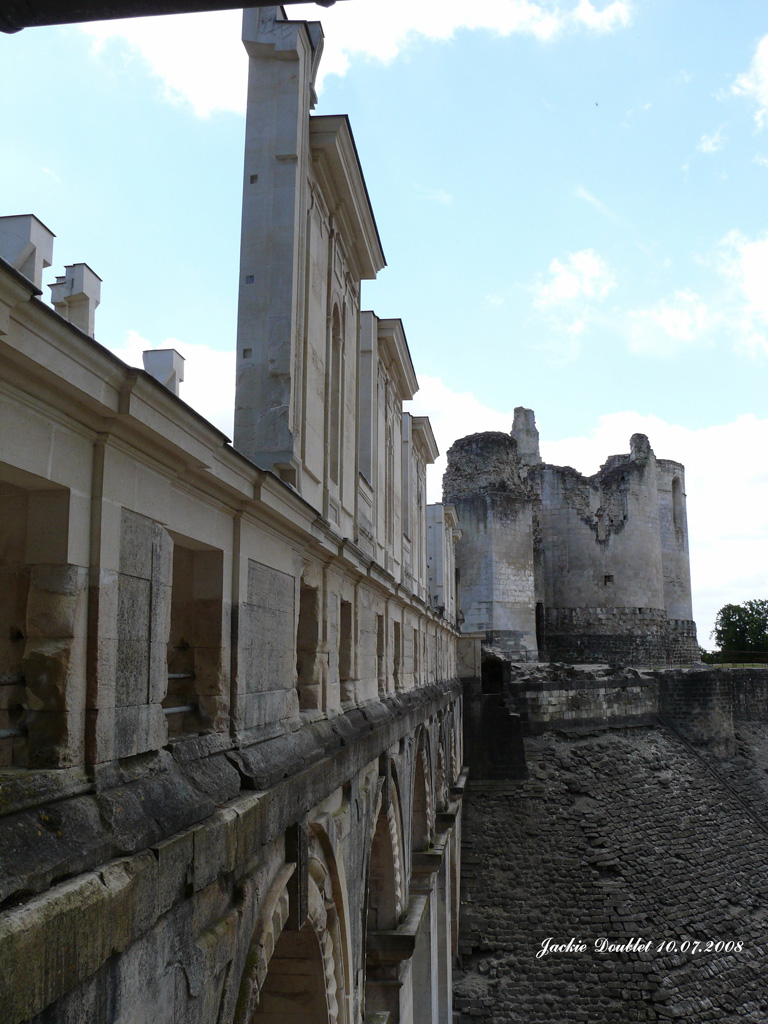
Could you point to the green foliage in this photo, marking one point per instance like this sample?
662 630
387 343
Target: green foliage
742 627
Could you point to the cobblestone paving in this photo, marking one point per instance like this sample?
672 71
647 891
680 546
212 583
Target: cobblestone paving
624 835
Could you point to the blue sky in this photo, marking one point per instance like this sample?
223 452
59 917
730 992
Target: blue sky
572 199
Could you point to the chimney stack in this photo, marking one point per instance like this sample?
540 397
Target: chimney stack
165 365
27 244
76 295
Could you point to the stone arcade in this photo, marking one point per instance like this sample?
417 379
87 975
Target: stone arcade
230 718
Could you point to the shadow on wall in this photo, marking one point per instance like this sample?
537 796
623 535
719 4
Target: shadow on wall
493 738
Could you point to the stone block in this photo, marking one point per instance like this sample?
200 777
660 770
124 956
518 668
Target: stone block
47 665
133 609
49 944
56 603
102 672
100 735
209 671
54 739
174 869
260 709
136 545
214 712
132 888
139 728
132 673
158 672
160 613
267 627
103 605
215 844
162 556
249 828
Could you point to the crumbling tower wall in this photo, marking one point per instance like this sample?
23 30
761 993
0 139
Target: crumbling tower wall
605 557
495 551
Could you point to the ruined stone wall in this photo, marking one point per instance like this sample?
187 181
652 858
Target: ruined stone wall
701 702
600 536
673 525
614 556
495 551
609 559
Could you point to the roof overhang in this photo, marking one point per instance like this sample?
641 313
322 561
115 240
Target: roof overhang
337 166
393 350
18 14
424 439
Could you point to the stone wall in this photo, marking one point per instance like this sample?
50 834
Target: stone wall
495 550
702 702
620 636
230 724
563 566
621 837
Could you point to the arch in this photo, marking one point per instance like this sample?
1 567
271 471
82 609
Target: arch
295 987
441 782
385 897
422 817
327 868
453 752
294 975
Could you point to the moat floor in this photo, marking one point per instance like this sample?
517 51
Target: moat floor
620 836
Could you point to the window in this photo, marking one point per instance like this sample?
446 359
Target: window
345 651
380 655
196 699
307 642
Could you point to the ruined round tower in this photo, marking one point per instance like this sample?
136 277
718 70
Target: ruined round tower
495 552
558 565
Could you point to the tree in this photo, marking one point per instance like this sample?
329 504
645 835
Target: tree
742 627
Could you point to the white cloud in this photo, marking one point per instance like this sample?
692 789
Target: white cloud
754 83
712 143
452 414
743 263
567 299
581 193
200 59
582 275
434 195
670 324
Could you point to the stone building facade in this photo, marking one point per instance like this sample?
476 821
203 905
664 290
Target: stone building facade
230 724
559 566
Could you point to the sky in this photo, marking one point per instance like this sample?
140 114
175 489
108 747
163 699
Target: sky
572 198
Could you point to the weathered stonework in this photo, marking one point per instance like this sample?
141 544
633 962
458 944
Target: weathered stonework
559 566
230 723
